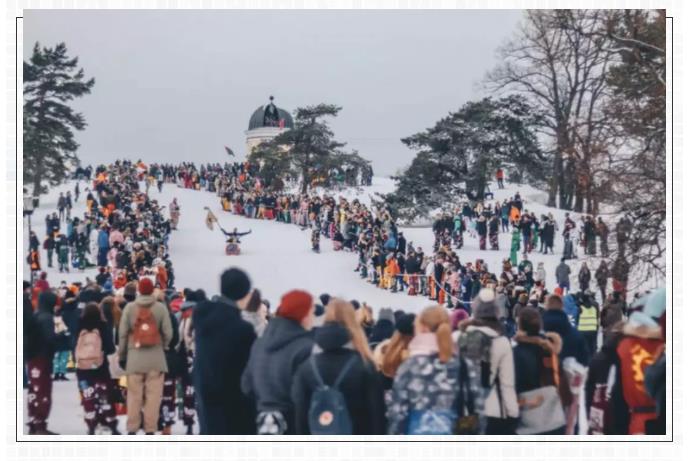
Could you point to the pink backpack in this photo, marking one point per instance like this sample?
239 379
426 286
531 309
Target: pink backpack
89 350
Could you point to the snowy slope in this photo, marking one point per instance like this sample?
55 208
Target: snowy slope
278 256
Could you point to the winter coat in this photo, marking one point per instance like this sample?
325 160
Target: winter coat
102 239
70 315
45 340
144 359
501 364
602 363
274 359
584 278
422 382
601 275
361 387
222 344
382 329
573 344
563 272
528 355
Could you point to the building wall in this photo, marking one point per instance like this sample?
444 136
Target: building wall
255 137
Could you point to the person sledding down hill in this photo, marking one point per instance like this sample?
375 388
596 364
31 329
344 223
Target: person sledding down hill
232 238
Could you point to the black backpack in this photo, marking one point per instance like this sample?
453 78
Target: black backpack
328 413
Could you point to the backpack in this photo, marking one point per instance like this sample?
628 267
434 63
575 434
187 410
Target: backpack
328 413
89 350
145 331
474 348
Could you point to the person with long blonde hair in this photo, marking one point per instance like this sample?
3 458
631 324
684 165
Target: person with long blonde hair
426 384
346 363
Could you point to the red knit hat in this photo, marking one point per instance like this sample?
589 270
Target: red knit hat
295 305
146 286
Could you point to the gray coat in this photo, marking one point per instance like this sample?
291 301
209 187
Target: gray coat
563 272
144 359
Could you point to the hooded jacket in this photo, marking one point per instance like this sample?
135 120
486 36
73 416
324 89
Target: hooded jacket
573 344
274 359
44 326
361 386
222 344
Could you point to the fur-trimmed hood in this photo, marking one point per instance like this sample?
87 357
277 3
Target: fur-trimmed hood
642 331
551 342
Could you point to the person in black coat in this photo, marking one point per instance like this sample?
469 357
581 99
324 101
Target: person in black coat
361 386
532 350
41 343
95 385
174 362
555 319
285 344
383 328
222 342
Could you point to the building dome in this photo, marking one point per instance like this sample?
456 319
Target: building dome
270 116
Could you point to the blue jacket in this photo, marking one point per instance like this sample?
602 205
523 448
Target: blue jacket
102 239
573 343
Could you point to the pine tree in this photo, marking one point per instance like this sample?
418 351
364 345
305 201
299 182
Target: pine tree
307 152
458 156
51 81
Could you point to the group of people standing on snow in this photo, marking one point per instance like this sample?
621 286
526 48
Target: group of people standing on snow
227 362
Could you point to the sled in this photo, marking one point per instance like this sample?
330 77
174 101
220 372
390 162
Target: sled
232 249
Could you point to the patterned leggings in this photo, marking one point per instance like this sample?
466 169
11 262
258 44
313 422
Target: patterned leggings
166 416
60 359
97 401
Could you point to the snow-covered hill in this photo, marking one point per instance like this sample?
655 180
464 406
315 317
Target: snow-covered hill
278 257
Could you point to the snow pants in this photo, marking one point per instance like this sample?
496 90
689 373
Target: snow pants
97 400
40 390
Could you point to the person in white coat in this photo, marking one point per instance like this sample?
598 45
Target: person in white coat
501 404
93 246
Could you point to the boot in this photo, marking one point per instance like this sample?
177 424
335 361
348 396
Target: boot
190 430
167 430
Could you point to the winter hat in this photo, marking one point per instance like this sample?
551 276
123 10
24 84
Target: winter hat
295 305
356 304
405 324
145 286
130 291
235 284
554 302
457 316
485 305
387 314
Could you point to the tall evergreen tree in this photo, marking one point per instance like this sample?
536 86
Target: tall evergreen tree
308 151
459 154
51 81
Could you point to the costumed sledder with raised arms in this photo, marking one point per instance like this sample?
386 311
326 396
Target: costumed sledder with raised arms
232 238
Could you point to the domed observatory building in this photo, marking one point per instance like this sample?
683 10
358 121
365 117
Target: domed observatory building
266 123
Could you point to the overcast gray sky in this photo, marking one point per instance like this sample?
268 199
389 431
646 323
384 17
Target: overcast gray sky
179 85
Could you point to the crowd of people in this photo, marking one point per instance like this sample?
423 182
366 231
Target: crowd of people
495 353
